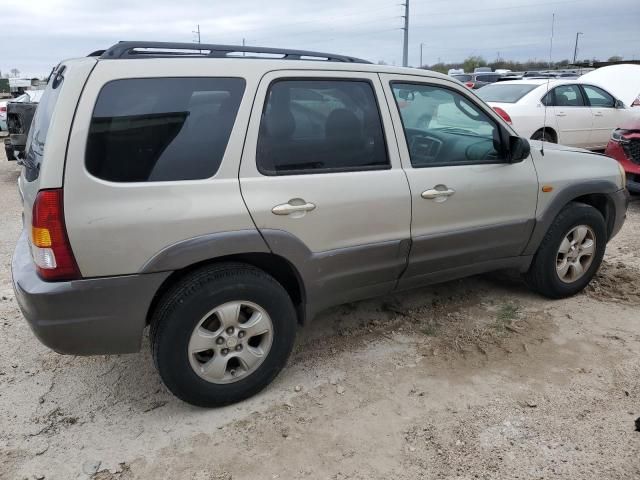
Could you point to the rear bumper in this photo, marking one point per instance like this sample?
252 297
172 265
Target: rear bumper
84 317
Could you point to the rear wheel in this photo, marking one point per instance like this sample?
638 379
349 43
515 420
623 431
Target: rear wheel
545 136
570 253
222 334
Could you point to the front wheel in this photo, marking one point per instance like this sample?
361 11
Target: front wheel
222 334
570 253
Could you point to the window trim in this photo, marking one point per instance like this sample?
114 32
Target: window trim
501 130
588 100
161 182
281 173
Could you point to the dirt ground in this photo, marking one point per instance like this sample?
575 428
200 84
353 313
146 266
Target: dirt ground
476 378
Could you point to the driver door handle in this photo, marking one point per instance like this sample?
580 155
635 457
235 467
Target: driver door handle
433 193
288 208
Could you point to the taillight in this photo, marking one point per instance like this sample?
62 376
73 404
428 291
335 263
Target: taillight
50 246
470 84
505 116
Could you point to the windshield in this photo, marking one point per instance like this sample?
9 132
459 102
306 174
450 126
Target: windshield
505 92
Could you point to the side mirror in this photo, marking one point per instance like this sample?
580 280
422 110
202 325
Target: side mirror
519 149
619 104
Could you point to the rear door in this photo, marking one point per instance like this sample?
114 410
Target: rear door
470 207
322 179
606 117
573 116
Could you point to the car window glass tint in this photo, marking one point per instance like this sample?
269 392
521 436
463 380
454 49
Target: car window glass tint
162 129
316 126
598 97
568 96
443 127
505 92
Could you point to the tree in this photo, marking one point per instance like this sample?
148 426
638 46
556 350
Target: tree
473 62
15 72
615 58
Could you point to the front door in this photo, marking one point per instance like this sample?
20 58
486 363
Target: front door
606 117
322 179
470 206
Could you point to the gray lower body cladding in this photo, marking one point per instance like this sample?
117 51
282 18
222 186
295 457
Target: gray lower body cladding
84 317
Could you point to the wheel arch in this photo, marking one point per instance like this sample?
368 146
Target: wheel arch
596 193
550 130
276 266
244 246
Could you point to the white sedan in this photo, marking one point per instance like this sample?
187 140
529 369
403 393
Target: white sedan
569 112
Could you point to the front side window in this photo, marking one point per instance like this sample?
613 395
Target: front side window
319 126
443 127
566 96
162 129
598 97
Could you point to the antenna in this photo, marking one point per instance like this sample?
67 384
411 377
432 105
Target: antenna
544 123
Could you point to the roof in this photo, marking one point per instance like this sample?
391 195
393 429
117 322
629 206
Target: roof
291 59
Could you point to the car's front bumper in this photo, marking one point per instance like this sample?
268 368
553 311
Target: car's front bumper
84 317
620 204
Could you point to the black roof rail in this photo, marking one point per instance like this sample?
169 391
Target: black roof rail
190 50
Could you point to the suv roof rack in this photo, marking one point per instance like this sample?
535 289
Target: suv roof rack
190 50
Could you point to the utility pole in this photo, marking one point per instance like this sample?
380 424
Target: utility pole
243 45
575 50
197 32
405 49
421 46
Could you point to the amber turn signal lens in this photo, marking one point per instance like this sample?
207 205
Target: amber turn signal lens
40 237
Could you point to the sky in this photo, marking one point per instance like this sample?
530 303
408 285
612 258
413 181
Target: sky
37 34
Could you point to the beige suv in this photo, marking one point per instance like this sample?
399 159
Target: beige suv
225 195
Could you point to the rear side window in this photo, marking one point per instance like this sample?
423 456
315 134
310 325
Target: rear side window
318 126
565 96
40 125
162 129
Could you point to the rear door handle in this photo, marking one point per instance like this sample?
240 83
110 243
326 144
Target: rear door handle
296 207
561 114
434 193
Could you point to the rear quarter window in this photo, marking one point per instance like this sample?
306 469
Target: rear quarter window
40 126
162 129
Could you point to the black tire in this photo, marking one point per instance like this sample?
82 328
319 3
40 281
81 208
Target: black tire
542 276
184 305
9 153
545 136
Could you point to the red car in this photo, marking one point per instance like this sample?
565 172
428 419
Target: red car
624 146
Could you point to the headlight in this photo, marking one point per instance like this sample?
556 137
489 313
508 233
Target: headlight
617 135
623 174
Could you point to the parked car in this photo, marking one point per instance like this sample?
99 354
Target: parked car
623 81
20 112
3 115
577 114
262 191
624 146
477 80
